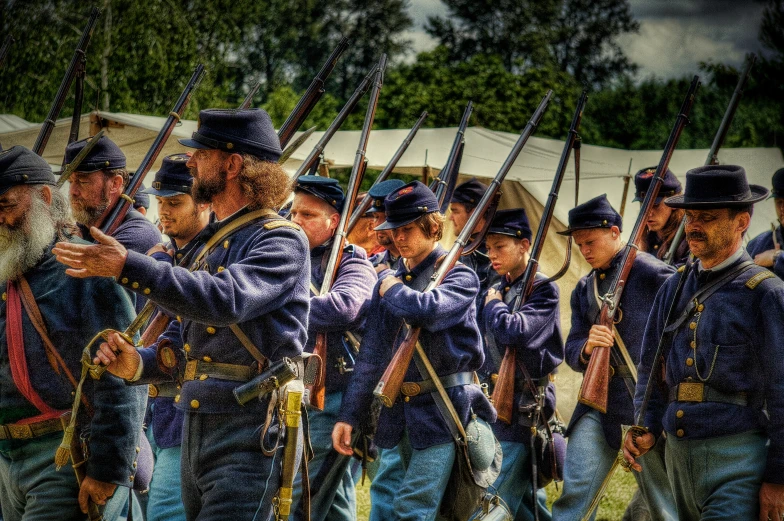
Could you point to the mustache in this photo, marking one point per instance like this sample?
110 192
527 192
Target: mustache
697 236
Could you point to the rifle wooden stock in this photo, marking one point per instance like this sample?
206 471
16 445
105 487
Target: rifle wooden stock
367 201
444 185
5 48
503 392
65 85
718 140
388 388
317 390
311 96
154 329
594 389
125 203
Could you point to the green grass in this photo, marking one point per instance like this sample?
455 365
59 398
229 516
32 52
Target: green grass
611 508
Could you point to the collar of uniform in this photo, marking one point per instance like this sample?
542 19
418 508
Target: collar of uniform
726 263
216 225
402 272
185 250
318 251
614 263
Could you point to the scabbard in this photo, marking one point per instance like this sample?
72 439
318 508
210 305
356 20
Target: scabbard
79 464
292 417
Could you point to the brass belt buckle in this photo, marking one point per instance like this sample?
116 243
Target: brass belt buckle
410 389
190 370
691 392
20 432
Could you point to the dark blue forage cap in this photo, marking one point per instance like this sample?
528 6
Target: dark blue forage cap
469 192
248 131
141 199
173 178
642 182
22 166
513 223
105 155
778 183
325 188
380 191
596 213
407 204
717 186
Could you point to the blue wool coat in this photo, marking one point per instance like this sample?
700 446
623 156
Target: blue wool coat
258 278
341 309
764 242
449 336
74 310
645 278
740 329
535 333
385 258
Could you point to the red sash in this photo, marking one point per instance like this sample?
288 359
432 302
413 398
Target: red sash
18 360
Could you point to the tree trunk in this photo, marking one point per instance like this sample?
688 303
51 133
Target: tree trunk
107 51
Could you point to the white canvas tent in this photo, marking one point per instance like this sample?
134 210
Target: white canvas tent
603 170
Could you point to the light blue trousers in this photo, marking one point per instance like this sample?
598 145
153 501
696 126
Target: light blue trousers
164 500
514 483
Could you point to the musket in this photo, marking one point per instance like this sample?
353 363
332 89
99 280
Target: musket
317 390
593 391
125 203
5 49
360 91
65 85
388 387
360 210
444 185
246 103
503 393
718 141
311 96
71 167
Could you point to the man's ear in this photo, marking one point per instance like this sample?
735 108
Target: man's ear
115 183
46 194
233 165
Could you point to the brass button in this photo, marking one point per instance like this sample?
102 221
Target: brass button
179 255
152 391
408 278
690 361
693 344
124 280
146 291
407 399
655 246
177 399
187 348
226 244
506 289
680 433
202 377
138 450
130 478
700 307
210 330
207 359
602 276
5 296
135 464
135 285
679 414
220 268
604 222
693 325
179 318
195 404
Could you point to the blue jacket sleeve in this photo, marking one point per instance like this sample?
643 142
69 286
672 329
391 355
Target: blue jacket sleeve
152 372
581 326
772 349
340 308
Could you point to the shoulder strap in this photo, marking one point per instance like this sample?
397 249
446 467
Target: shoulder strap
232 227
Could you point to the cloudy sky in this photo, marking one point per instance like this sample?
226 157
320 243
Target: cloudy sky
675 35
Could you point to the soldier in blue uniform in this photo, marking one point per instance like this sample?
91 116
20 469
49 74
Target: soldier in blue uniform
534 331
338 314
765 248
390 257
595 438
663 222
418 447
37 380
723 407
141 201
182 220
243 306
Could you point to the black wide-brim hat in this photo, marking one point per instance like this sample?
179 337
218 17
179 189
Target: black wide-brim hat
173 178
596 213
407 204
248 131
717 186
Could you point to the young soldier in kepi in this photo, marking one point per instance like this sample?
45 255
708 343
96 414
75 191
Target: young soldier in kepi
595 438
464 200
389 258
182 220
417 447
723 352
317 204
765 248
663 221
42 308
243 308
534 331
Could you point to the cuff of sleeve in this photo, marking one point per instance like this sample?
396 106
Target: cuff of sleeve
138 371
583 359
137 273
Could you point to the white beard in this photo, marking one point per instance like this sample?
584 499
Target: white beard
23 246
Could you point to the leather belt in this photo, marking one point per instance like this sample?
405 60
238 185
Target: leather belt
164 390
200 370
428 386
700 392
14 431
621 371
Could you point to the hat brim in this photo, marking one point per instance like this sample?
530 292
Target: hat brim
387 225
192 143
570 231
758 193
162 193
